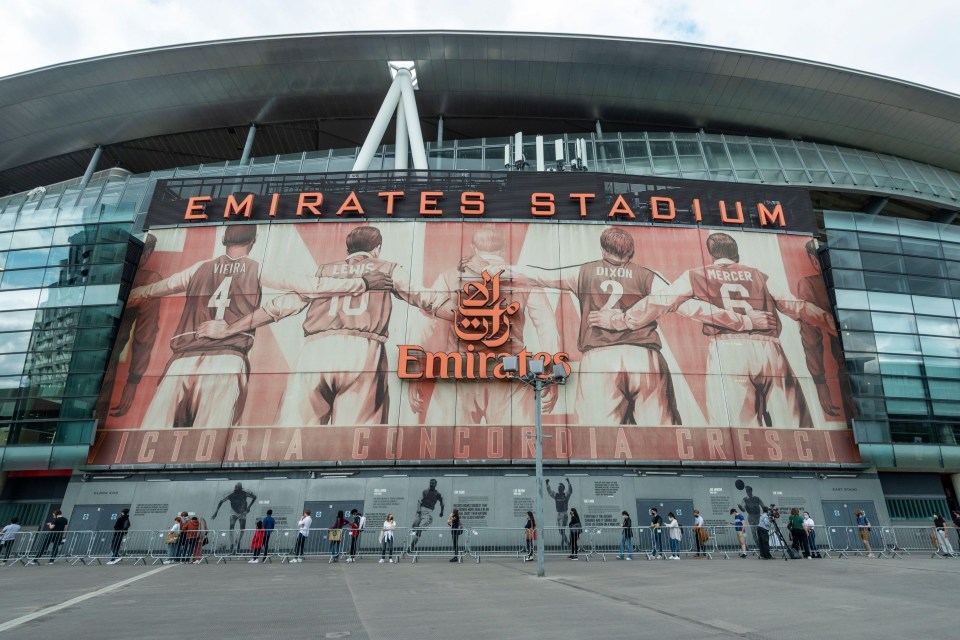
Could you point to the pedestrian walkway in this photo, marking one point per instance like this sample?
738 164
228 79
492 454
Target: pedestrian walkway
498 598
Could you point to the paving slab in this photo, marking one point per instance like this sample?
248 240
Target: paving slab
497 598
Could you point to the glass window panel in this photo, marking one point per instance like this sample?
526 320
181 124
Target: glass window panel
885 282
944 389
716 156
101 294
838 220
62 296
928 286
104 316
20 299
30 238
898 343
879 243
898 365
854 320
941 408
23 279
662 148
934 306
919 229
27 259
944 347
858 341
842 240
688 148
12 363
882 262
930 267
942 367
929 325
894 322
924 248
953 269
850 299
765 157
950 250
903 387
907 407
472 159
845 259
847 279
108 253
14 341
17 320
666 166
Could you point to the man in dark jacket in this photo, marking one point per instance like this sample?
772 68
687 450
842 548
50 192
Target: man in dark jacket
120 528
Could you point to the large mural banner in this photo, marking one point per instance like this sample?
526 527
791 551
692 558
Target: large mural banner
373 341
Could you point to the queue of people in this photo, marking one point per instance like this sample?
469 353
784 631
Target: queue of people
185 539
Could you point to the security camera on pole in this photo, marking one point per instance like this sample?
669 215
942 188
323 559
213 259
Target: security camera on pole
532 375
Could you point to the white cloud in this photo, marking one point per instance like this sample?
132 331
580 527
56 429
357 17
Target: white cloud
910 41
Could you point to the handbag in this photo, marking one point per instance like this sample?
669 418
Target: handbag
702 535
335 535
171 538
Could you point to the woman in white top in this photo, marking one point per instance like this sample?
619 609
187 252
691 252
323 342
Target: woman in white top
673 535
386 538
173 535
809 527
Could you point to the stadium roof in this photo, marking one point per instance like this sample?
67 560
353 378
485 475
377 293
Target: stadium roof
189 104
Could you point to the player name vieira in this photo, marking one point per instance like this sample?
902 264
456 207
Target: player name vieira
436 204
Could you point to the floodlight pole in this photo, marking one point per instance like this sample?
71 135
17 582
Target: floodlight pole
538 384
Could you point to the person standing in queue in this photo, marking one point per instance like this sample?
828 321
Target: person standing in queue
257 543
530 534
303 532
626 537
456 528
269 524
763 534
575 530
335 536
386 539
120 527
674 535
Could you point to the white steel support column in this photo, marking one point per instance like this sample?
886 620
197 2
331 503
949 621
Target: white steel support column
248 145
402 153
413 119
369 148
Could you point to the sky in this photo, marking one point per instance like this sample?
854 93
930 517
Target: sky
914 41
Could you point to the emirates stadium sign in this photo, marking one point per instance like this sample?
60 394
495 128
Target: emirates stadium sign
363 319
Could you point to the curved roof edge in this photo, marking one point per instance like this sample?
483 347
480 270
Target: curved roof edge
500 78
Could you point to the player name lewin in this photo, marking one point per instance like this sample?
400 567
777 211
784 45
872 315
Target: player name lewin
434 204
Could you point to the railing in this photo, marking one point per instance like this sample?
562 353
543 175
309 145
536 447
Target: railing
475 543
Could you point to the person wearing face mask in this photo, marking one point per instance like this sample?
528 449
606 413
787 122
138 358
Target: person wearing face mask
673 536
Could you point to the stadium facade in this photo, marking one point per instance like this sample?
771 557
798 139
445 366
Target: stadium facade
282 272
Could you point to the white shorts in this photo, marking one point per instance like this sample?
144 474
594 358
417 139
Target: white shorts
479 402
750 384
202 392
625 384
341 380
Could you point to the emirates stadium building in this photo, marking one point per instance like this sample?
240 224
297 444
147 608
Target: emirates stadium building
291 272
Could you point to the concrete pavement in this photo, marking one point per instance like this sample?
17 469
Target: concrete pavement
502 598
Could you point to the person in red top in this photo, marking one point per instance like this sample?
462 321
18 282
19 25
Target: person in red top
340 328
257 543
760 388
191 547
623 378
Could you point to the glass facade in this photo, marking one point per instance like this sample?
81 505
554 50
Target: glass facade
66 264
896 286
700 156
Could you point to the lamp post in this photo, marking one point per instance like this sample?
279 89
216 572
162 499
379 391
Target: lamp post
535 378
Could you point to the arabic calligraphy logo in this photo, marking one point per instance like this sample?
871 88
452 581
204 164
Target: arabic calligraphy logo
482 313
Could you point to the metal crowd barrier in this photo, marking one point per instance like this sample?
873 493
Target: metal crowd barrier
475 543
19 551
